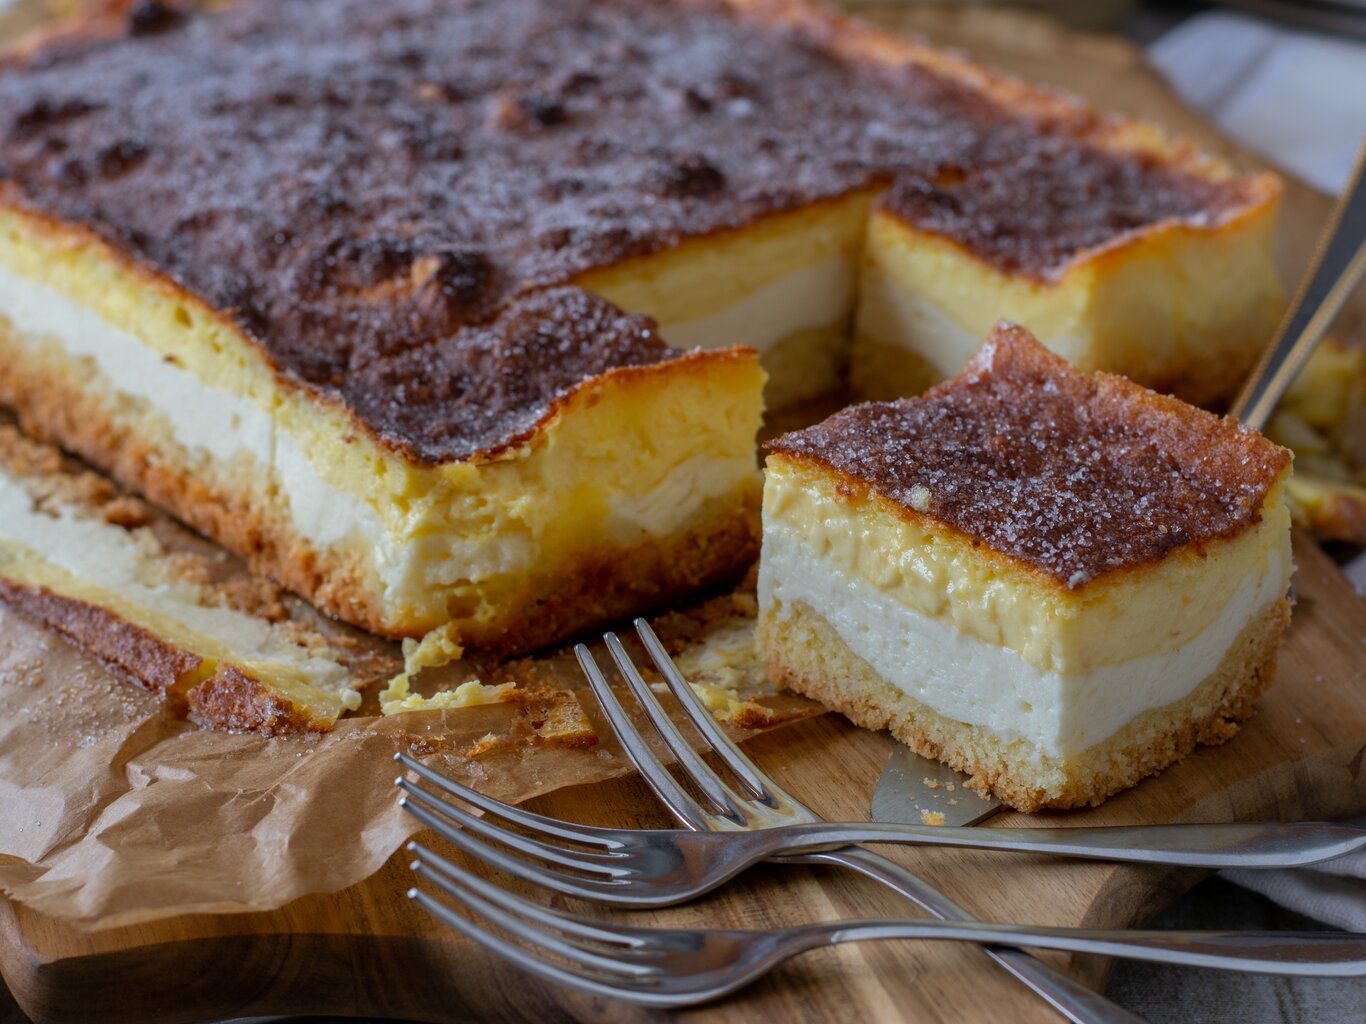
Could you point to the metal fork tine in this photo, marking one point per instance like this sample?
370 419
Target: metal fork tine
661 780
616 936
447 874
703 776
528 871
582 860
609 986
736 760
530 933
586 834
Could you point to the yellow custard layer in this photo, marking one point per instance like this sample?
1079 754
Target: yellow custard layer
1175 307
941 574
702 276
635 457
784 285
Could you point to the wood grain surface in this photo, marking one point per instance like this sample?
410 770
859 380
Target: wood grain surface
367 951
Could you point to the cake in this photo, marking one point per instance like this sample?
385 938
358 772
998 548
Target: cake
382 297
1322 419
90 563
1054 581
1163 275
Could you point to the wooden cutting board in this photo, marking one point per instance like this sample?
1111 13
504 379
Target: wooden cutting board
367 951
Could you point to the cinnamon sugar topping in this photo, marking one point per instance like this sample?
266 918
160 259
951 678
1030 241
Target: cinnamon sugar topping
356 181
1074 474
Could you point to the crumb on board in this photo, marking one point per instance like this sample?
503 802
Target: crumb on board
931 817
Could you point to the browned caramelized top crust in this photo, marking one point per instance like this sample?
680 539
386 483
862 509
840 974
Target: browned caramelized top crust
351 180
134 652
486 387
1074 474
1026 203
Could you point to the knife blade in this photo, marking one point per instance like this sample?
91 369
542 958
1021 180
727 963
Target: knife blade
916 790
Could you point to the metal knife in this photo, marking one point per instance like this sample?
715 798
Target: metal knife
915 790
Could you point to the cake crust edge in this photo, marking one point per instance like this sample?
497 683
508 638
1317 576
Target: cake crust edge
1209 716
620 581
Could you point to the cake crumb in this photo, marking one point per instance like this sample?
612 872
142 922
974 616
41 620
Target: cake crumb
929 783
126 511
931 817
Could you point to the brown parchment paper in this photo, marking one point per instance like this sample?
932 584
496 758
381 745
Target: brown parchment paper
113 811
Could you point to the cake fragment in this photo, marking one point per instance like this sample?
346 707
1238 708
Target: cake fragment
397 698
1322 419
93 564
1057 582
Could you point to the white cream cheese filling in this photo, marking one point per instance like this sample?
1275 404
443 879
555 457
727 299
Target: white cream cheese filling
815 296
199 416
669 506
221 423
225 425
969 680
111 559
889 314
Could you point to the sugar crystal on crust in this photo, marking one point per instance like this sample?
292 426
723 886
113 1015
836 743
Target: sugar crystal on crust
359 184
1071 473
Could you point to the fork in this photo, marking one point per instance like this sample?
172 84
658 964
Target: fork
770 805
661 867
673 967
1064 993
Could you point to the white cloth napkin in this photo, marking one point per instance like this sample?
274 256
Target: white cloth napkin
1300 101
1334 892
1297 99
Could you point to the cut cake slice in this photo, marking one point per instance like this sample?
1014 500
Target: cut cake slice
1057 582
93 564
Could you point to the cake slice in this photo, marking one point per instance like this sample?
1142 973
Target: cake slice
127 586
524 477
1121 250
1057 582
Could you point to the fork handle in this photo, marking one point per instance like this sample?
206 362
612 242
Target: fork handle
1066 994
1326 954
1244 845
1337 266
